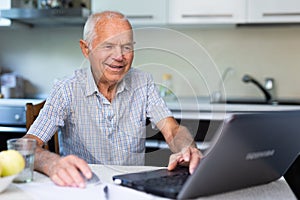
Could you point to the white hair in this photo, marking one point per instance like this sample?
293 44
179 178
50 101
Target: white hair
89 32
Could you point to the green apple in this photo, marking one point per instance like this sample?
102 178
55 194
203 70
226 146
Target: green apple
0 170
12 162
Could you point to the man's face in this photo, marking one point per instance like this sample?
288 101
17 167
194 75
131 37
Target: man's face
111 52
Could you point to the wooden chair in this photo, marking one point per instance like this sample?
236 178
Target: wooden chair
32 111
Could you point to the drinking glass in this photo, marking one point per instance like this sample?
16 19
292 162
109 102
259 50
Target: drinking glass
27 148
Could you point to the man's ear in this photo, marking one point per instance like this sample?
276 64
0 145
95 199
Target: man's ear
84 48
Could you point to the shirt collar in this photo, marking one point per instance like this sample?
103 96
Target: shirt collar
92 88
125 83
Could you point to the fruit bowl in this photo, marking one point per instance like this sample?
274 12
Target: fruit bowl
6 181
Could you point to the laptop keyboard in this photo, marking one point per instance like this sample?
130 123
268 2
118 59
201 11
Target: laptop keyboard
167 185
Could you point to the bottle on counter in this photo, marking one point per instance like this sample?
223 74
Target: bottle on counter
166 88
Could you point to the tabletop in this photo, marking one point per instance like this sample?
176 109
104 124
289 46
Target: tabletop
43 188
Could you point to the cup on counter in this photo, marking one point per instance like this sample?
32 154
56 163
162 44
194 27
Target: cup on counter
27 148
7 91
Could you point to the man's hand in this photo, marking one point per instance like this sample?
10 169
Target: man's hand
63 171
189 156
66 171
180 141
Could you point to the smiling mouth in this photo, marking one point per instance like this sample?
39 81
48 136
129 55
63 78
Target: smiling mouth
116 67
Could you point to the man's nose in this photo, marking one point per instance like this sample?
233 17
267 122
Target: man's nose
118 53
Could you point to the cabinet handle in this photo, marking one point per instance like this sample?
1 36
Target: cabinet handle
205 15
139 16
281 14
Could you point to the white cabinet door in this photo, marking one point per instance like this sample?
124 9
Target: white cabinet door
207 11
139 12
5 4
273 11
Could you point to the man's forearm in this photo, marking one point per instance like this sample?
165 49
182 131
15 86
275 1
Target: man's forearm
44 160
181 139
177 137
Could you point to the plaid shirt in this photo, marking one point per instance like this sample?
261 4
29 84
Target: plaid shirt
96 130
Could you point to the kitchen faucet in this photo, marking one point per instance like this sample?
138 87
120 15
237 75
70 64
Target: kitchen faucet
247 78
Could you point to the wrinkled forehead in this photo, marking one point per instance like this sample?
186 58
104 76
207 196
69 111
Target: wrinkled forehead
116 31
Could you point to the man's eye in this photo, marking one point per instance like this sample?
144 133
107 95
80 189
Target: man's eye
128 48
108 47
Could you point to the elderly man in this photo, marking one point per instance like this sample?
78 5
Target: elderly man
102 110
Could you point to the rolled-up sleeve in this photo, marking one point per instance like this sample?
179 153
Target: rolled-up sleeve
156 106
51 116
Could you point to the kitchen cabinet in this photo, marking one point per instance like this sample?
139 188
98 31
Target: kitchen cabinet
137 11
273 11
177 12
5 4
207 11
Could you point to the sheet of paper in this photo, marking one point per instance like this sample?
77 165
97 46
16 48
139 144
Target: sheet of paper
49 191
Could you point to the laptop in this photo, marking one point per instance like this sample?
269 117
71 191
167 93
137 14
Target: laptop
250 149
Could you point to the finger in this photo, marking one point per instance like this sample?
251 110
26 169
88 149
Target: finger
66 172
186 154
172 165
58 181
195 160
84 168
54 171
79 171
173 162
77 178
65 177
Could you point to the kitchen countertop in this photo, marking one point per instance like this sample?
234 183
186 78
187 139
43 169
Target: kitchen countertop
194 104
201 108
18 102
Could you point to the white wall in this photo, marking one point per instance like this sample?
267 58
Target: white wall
41 55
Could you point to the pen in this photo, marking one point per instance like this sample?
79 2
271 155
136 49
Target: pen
105 190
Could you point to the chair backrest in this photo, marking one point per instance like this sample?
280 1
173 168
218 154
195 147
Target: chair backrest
32 111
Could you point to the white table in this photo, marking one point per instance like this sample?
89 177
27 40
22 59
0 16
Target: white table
276 190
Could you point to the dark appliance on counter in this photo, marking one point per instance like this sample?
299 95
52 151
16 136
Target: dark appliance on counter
13 120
